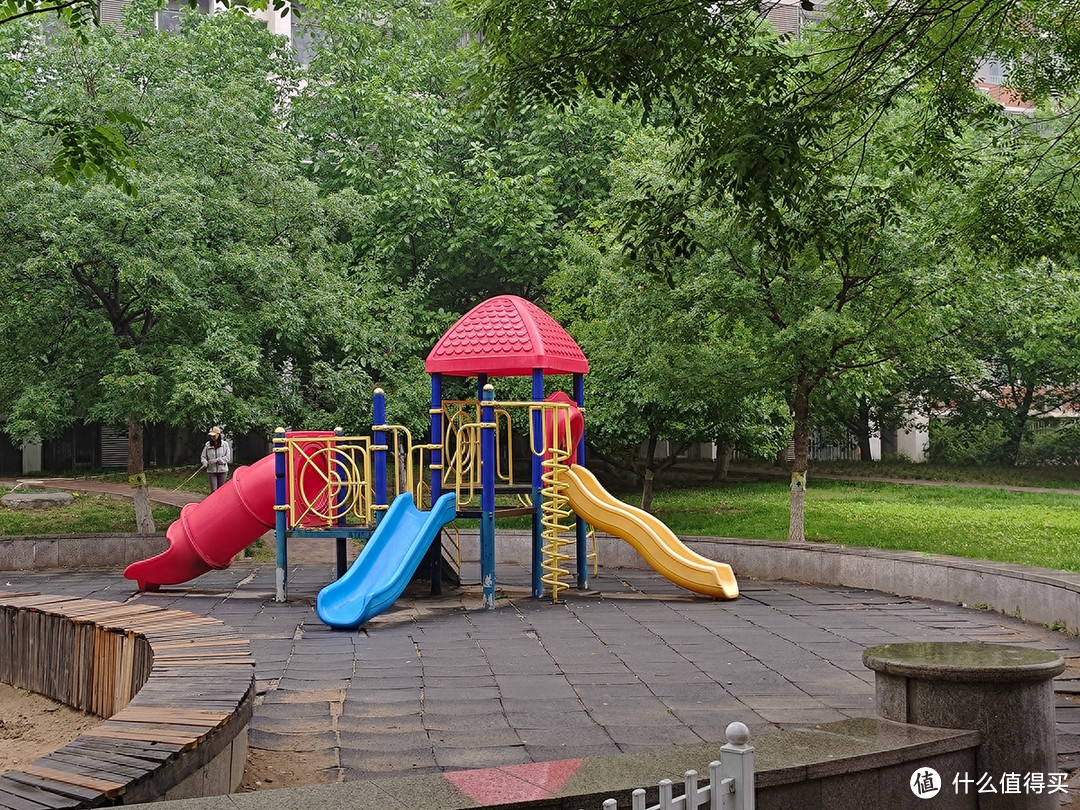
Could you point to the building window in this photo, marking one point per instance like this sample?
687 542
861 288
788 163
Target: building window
171 16
305 34
991 71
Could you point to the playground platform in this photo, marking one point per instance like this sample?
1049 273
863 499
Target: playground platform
634 674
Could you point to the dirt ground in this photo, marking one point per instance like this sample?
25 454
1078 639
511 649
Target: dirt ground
32 726
270 770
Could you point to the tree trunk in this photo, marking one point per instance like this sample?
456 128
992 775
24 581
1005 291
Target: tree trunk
863 432
647 478
1015 426
182 448
647 492
801 438
725 451
144 516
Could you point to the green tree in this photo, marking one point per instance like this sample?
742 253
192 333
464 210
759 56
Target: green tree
191 303
469 199
855 272
858 404
865 56
820 187
96 145
861 275
882 49
665 362
1015 361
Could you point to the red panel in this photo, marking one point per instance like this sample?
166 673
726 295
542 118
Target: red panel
311 477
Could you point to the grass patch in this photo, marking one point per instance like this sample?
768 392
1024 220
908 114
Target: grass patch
87 514
1029 528
1056 477
1020 527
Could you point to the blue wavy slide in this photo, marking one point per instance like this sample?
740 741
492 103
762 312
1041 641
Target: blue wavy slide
386 564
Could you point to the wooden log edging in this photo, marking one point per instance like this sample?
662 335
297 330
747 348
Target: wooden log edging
176 690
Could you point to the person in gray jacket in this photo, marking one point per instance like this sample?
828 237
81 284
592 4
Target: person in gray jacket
216 457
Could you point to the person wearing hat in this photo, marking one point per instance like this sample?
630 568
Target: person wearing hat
216 457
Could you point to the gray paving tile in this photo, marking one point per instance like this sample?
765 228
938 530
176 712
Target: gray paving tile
449 758
292 741
553 687
367 764
459 694
294 711
369 691
601 694
383 740
549 753
476 723
638 666
477 737
633 734
619 715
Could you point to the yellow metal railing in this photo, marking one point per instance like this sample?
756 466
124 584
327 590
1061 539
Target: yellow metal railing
331 477
418 483
405 467
461 447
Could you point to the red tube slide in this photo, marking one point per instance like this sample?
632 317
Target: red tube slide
210 533
555 427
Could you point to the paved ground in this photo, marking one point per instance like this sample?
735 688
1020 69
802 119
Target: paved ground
438 684
170 497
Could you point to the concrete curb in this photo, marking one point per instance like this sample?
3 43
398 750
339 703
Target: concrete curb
1042 595
864 763
78 551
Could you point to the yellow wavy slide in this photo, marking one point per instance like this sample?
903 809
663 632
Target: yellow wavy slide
650 536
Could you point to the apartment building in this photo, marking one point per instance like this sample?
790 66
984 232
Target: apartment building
168 18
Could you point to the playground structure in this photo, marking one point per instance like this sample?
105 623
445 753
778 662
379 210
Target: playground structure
327 484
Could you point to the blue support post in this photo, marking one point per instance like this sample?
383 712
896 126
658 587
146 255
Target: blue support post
580 532
537 486
341 553
281 506
435 552
487 496
436 437
378 438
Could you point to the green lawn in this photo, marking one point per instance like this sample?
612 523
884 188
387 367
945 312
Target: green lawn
1031 528
88 514
1023 527
1057 477
189 479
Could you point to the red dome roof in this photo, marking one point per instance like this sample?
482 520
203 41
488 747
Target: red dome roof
506 336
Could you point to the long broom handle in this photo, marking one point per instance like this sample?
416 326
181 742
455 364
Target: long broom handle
188 478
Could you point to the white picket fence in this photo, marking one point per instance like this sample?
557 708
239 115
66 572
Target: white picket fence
730 787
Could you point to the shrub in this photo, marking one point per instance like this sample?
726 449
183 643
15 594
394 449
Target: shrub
958 441
1059 445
